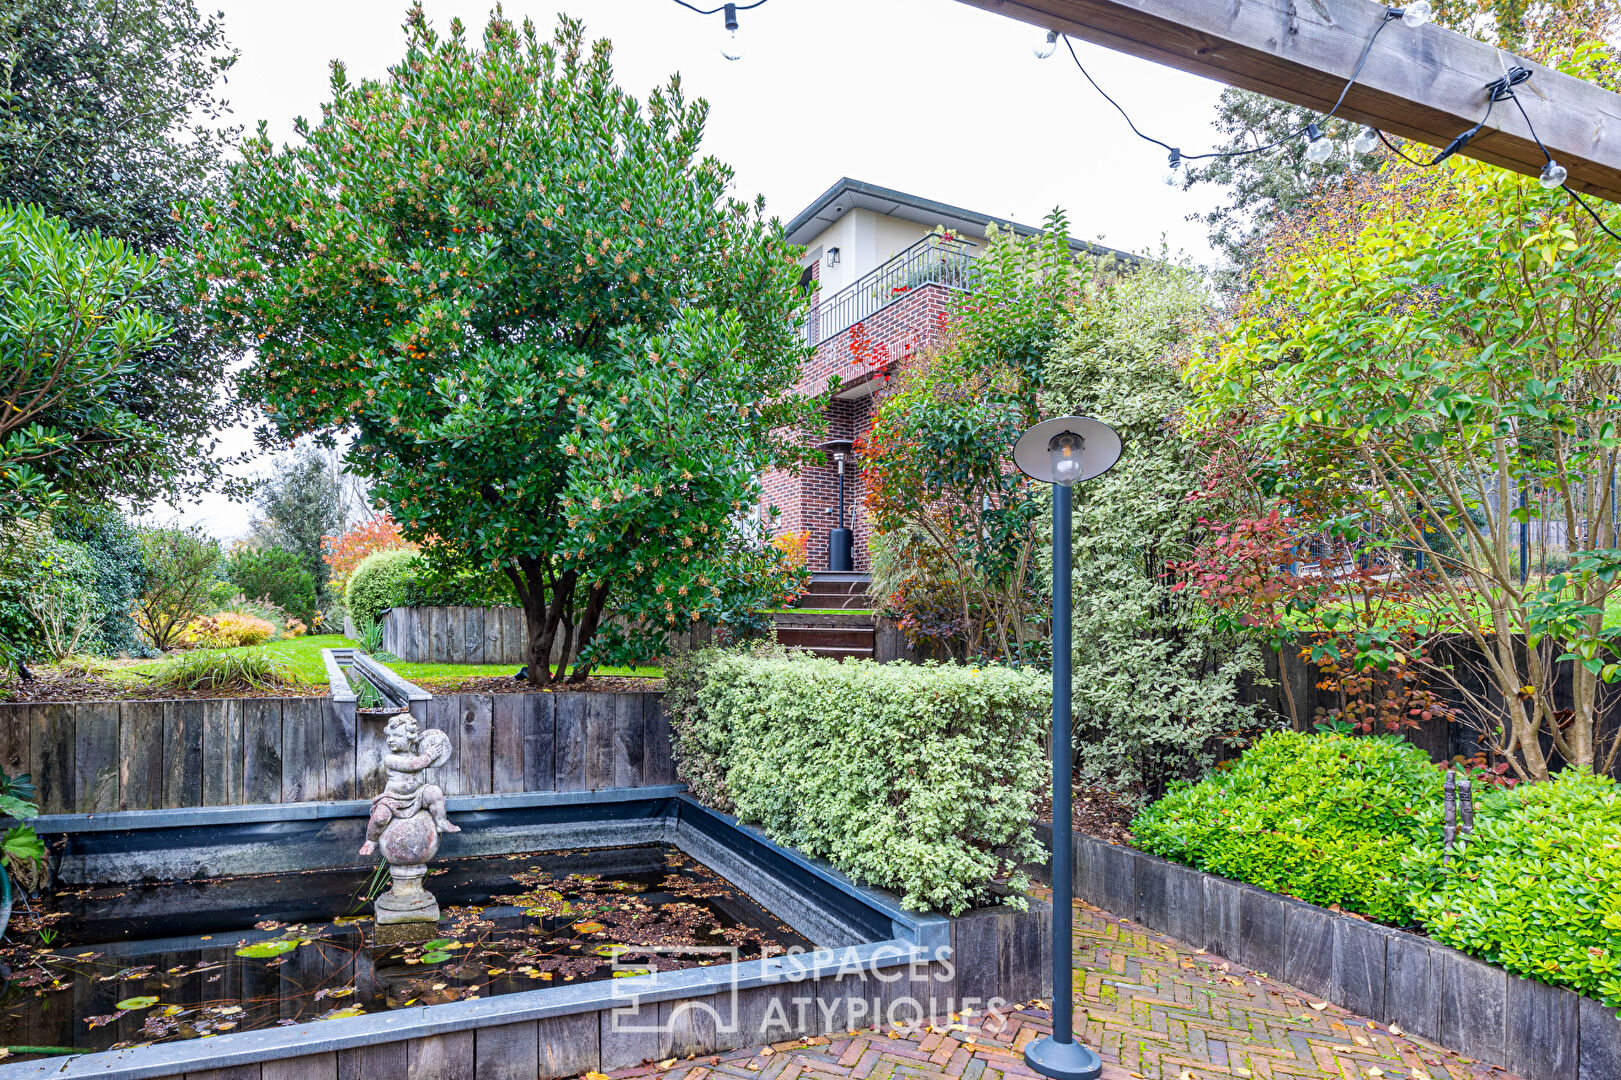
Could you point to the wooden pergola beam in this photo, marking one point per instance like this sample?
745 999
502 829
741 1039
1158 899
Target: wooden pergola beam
1425 84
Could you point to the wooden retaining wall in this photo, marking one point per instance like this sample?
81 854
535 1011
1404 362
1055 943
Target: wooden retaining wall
1477 1009
98 756
472 635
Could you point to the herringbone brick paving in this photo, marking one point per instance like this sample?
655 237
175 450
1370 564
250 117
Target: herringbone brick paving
1152 1007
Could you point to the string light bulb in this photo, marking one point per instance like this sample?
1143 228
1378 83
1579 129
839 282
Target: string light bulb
1318 149
730 47
1367 141
1173 171
1416 14
1553 175
1046 46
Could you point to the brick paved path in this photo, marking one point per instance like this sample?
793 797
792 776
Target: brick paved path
1151 1007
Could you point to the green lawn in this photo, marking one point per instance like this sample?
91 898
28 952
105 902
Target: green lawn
303 656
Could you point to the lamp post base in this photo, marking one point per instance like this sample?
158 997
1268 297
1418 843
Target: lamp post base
1063 1061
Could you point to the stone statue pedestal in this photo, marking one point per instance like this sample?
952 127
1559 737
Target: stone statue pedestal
405 824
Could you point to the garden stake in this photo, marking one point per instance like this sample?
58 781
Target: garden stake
1449 817
1468 811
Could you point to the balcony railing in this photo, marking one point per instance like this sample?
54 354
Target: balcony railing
933 260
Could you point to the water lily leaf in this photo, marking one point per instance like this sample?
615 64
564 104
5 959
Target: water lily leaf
437 943
588 927
137 1003
435 957
266 949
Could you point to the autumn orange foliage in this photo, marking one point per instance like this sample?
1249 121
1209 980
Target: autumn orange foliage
344 553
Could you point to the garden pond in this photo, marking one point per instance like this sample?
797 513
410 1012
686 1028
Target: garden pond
111 967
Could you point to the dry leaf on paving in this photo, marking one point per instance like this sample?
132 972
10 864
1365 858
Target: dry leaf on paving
1319 1005
1394 1030
667 1063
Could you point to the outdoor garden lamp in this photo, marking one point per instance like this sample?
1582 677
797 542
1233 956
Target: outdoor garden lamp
1064 451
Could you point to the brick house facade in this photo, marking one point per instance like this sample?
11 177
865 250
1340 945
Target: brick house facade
880 281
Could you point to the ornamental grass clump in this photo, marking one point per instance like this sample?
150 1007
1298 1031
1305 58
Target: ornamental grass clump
917 779
1536 888
1326 818
214 669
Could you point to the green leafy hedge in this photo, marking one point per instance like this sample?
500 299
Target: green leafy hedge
1326 818
378 583
921 780
1537 889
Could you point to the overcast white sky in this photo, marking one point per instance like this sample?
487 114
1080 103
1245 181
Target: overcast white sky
928 96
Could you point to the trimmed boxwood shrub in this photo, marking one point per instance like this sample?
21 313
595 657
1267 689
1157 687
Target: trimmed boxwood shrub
917 779
1537 888
378 583
1326 818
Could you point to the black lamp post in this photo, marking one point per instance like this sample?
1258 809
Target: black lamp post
1064 451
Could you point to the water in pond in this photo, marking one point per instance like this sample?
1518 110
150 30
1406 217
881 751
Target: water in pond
179 960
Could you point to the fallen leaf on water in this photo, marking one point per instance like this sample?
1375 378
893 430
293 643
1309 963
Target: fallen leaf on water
344 1014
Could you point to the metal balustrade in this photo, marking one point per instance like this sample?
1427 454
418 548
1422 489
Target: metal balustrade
933 260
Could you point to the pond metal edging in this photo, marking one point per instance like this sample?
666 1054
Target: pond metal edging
1430 990
923 962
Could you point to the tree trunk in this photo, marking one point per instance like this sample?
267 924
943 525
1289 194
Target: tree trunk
545 610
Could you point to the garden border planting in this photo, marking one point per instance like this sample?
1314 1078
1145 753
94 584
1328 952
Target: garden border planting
612 1024
1430 990
104 756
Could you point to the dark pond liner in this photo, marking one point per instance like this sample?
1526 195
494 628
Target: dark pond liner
570 917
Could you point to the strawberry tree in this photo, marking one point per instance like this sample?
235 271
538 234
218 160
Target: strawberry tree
559 346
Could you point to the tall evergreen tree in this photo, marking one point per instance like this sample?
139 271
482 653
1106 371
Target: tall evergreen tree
109 116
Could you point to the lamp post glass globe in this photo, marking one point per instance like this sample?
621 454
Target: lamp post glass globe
1095 443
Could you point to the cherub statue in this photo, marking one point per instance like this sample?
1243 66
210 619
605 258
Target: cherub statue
406 793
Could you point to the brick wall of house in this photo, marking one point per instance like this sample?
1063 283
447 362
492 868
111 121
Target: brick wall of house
913 321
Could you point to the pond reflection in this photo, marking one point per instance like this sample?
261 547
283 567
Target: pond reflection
188 959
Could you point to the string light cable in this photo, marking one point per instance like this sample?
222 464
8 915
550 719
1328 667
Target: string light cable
1553 174
730 45
1413 15
723 7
